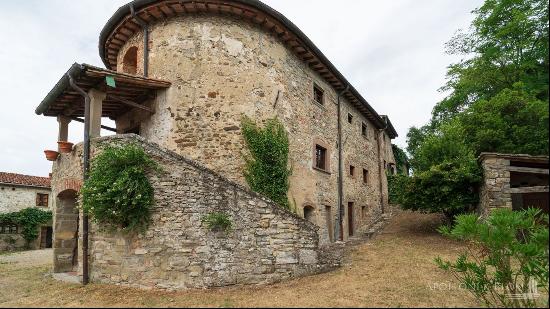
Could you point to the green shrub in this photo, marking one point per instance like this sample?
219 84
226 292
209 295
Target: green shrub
29 219
218 221
266 170
448 188
505 254
118 194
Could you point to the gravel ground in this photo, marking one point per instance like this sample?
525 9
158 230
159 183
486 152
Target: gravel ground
28 258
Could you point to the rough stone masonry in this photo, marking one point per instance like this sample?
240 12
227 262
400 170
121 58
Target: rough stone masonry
266 244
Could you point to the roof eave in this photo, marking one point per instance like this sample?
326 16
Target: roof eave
75 70
124 10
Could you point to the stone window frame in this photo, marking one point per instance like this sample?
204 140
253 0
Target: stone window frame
42 199
366 176
316 90
325 146
352 171
364 130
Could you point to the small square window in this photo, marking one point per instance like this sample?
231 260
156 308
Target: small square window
321 158
352 171
41 200
365 176
350 118
364 129
318 95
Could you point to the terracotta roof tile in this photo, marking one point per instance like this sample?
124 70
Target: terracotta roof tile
24 180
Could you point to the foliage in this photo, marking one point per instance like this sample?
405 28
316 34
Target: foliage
505 253
513 121
266 169
118 193
218 221
29 219
396 184
401 160
497 101
448 188
506 43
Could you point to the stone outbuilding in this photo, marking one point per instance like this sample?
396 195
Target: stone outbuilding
18 192
513 181
181 75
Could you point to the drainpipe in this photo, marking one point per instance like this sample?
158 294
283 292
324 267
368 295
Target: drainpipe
340 215
145 27
85 226
380 166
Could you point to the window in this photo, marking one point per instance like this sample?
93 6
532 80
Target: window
321 158
365 176
41 200
318 95
9 229
350 118
364 129
352 171
309 213
364 212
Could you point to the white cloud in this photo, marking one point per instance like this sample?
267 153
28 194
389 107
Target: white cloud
391 51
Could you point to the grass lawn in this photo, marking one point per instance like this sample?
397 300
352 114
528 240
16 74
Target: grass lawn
395 269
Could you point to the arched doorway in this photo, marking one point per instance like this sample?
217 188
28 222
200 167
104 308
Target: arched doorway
66 232
309 214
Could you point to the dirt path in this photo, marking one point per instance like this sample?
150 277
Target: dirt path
395 269
28 258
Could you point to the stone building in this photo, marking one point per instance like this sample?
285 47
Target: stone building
513 181
18 192
182 74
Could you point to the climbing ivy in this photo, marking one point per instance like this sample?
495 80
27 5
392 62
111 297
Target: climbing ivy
217 221
401 159
29 219
266 169
118 194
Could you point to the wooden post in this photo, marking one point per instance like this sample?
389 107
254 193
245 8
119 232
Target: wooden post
96 103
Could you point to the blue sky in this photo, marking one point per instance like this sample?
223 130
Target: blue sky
391 51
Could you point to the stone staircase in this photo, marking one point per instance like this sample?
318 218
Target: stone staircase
373 230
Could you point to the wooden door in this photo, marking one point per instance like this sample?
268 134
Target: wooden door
350 219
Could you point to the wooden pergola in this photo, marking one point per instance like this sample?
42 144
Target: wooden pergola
123 92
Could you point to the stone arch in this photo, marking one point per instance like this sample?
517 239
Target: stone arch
65 233
129 62
309 213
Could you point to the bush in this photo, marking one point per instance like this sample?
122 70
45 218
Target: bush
266 170
448 188
506 255
117 193
29 219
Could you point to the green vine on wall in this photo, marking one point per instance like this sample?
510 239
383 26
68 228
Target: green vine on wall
118 194
266 169
218 221
29 219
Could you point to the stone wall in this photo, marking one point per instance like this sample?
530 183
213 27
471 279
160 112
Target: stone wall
507 178
222 68
266 244
16 198
495 187
13 199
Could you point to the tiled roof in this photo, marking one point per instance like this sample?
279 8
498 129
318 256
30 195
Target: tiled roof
24 180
